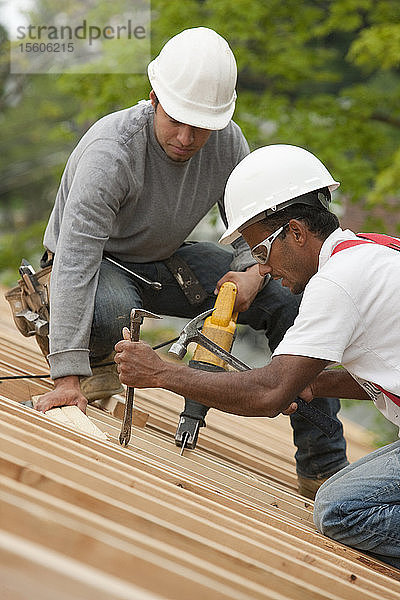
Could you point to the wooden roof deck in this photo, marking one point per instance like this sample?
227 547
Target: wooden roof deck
87 519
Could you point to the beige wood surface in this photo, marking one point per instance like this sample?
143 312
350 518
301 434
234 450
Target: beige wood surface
86 518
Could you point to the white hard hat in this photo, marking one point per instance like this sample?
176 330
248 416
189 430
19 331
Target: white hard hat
267 180
194 78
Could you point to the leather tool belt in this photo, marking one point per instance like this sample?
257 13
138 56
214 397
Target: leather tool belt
29 302
187 280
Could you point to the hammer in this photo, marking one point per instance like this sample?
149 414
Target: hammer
136 319
191 333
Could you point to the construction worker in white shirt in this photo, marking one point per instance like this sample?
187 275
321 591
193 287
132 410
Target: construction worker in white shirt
278 199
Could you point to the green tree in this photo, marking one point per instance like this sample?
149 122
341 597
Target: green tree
38 132
323 74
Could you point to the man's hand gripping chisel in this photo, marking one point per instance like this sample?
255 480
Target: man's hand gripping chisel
136 319
191 333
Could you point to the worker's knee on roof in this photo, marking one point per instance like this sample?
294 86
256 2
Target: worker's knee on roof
328 509
338 513
347 521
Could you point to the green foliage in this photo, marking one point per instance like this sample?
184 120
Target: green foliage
23 243
156 334
377 47
99 95
365 413
37 135
325 77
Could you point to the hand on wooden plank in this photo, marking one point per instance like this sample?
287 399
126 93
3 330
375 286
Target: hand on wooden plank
67 392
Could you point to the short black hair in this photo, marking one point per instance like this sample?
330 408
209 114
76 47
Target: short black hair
156 101
318 219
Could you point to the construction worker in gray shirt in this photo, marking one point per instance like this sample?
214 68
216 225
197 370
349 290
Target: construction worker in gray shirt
134 188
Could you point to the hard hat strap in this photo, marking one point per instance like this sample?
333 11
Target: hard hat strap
316 198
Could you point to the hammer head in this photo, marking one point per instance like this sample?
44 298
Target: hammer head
138 314
188 334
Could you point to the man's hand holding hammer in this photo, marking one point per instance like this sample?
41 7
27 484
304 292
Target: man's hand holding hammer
266 392
281 386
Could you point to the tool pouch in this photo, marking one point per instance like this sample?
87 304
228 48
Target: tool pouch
30 308
187 280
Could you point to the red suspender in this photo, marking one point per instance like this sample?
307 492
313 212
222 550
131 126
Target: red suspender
348 244
369 238
393 397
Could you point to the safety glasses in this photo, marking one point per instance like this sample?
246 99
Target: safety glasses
261 251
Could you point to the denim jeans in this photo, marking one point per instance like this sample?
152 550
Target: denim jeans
360 506
273 311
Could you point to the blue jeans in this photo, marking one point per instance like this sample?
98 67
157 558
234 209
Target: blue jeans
273 311
360 506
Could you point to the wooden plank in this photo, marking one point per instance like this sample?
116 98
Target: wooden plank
111 425
136 513
225 482
115 407
187 481
164 415
127 473
201 551
31 569
133 557
286 524
144 442
74 418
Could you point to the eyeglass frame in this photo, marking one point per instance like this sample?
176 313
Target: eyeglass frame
267 243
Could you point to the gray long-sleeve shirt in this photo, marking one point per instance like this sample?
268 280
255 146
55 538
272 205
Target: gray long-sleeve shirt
119 192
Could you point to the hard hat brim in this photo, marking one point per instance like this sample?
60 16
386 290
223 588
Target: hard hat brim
195 118
229 236
233 233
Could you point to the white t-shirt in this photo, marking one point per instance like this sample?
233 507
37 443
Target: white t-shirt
350 314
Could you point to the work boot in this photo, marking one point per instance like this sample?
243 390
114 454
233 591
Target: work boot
309 487
103 383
